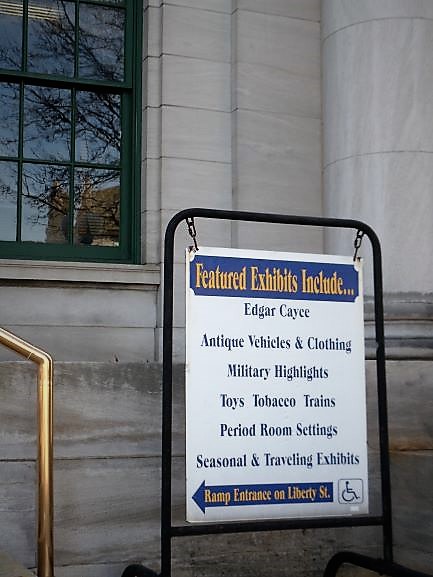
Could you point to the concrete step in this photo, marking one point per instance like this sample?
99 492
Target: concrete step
10 568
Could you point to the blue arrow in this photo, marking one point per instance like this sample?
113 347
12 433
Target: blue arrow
266 494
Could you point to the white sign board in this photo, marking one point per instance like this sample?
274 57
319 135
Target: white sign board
275 386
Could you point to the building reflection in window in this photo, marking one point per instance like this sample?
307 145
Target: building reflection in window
96 216
97 207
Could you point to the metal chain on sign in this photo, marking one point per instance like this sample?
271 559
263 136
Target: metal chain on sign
357 243
192 232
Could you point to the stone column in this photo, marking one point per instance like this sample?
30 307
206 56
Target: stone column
377 89
378 146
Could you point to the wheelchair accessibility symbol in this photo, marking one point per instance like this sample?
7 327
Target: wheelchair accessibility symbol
350 491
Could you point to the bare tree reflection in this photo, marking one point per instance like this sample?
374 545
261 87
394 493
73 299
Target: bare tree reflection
98 130
102 42
46 206
47 123
51 38
45 203
52 115
9 119
97 208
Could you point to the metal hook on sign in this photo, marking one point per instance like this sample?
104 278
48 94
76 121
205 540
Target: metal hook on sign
192 231
357 243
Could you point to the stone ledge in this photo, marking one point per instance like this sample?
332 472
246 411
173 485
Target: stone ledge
408 326
80 272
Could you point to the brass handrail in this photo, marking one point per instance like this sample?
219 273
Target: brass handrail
45 446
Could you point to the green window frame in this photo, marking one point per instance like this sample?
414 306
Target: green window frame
70 129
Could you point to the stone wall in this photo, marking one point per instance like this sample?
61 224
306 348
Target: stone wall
81 312
280 106
107 477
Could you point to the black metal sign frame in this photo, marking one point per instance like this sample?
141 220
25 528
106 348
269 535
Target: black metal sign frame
168 530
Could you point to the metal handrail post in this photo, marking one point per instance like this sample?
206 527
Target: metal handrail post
45 446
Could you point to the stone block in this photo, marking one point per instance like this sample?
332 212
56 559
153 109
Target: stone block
412 473
278 237
196 134
97 343
152 119
278 163
302 9
99 410
151 240
196 83
269 89
212 5
77 306
190 183
196 33
152 81
268 39
153 27
337 15
17 504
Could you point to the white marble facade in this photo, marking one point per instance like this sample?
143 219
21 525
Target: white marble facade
290 106
285 106
239 122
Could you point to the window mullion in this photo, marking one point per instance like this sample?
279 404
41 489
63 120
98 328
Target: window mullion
21 120
72 167
77 40
71 239
135 59
25 35
20 163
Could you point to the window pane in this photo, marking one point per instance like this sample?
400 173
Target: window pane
98 128
9 119
8 200
101 42
51 39
97 207
116 2
11 30
45 203
47 123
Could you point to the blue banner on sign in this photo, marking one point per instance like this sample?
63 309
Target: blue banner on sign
266 494
259 278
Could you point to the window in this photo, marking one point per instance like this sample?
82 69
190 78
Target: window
69 118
